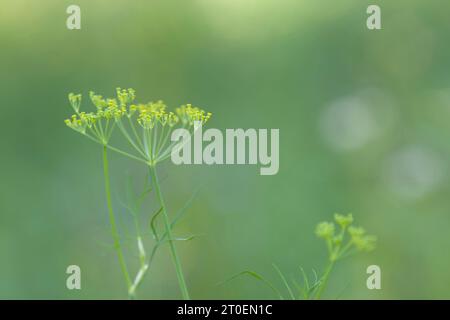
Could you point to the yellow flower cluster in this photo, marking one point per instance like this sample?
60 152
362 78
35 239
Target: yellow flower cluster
154 112
109 108
325 230
357 236
125 96
188 114
81 121
361 240
75 101
148 115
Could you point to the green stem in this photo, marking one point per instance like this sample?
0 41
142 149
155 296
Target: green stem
167 153
135 133
126 154
324 279
162 142
167 225
114 149
112 220
155 135
128 138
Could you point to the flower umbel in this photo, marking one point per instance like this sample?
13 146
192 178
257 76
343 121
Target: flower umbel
341 242
346 242
146 126
325 230
75 101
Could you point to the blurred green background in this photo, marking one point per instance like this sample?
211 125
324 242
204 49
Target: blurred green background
364 128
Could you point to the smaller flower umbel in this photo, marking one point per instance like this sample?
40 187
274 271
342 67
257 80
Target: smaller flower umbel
341 243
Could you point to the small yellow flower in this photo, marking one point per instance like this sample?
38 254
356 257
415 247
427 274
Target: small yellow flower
125 96
188 114
77 123
172 119
75 101
97 100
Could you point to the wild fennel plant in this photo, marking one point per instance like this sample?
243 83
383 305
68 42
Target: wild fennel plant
147 128
341 243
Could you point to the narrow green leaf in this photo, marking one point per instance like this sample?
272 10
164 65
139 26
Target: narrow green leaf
256 276
153 224
305 279
302 291
284 281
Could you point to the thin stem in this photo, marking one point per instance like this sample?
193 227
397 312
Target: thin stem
138 280
112 220
135 133
115 149
167 153
147 143
344 250
100 125
92 138
155 135
106 128
324 279
108 136
128 138
167 225
96 131
126 154
162 142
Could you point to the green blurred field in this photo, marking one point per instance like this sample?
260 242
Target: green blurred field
364 128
